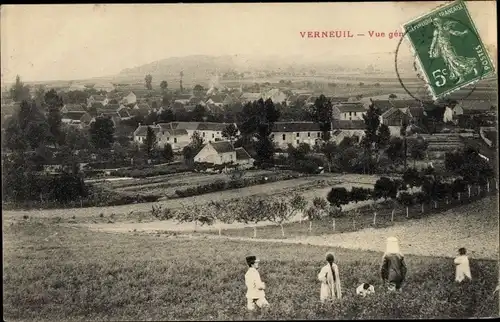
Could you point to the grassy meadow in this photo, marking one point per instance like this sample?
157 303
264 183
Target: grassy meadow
56 272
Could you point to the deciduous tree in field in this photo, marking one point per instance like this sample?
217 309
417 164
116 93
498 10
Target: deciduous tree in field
338 197
224 212
412 177
359 194
253 210
196 214
299 204
283 209
385 188
405 199
316 211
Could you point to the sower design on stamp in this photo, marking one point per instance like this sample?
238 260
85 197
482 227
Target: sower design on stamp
448 48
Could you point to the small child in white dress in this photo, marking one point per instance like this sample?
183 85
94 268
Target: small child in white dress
365 289
462 270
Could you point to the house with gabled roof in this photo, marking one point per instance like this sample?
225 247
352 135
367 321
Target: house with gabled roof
295 133
222 152
107 87
250 97
97 99
165 134
141 132
347 128
73 108
130 99
348 111
77 118
177 138
217 100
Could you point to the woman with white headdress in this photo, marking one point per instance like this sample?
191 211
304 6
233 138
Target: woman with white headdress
393 270
330 280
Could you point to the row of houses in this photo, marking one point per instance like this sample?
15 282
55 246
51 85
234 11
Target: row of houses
179 134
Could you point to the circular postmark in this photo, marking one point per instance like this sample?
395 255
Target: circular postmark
420 65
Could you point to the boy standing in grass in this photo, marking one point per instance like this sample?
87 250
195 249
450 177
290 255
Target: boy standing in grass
462 270
330 280
393 270
255 286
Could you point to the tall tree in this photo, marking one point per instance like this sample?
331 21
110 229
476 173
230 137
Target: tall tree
330 151
163 86
40 95
102 133
181 74
150 143
168 153
230 132
384 135
322 114
199 113
370 140
149 80
19 91
166 116
54 103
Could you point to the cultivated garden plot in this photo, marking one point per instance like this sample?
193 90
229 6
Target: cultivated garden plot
52 272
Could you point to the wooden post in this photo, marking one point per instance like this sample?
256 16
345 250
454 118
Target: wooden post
422 207
459 196
255 231
479 190
468 187
220 231
392 215
435 204
488 185
310 226
407 213
374 218
333 224
353 223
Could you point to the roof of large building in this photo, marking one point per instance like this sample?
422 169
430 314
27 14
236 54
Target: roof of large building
210 126
350 107
295 127
222 146
142 130
348 124
242 154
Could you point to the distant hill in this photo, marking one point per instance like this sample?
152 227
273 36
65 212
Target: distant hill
200 66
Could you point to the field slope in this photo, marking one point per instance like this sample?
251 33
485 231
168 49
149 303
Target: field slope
53 272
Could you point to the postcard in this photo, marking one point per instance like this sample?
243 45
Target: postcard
250 161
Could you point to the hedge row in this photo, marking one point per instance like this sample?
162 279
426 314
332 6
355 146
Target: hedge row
221 185
150 171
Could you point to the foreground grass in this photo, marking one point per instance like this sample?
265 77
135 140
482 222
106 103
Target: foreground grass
53 272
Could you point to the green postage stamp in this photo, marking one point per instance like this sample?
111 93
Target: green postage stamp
449 49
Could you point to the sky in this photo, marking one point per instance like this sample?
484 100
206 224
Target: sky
65 42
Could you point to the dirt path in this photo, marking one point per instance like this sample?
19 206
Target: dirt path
268 189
